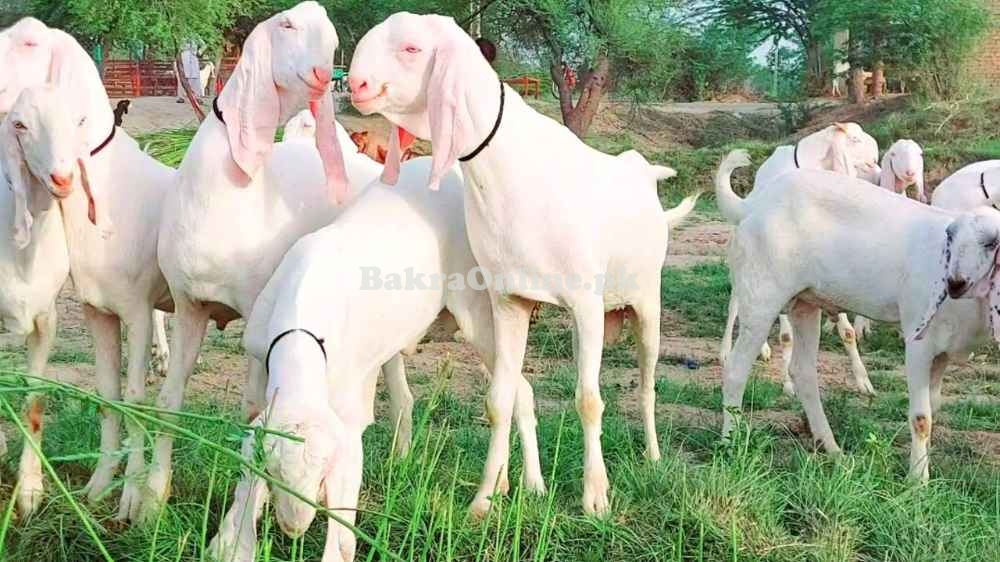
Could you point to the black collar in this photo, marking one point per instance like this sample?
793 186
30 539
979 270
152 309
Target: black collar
107 141
986 194
795 155
489 137
217 111
319 341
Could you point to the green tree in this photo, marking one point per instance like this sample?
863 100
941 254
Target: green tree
927 38
631 42
795 20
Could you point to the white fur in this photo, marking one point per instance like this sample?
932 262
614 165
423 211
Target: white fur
963 190
843 148
302 126
319 286
222 233
903 166
113 264
830 262
579 216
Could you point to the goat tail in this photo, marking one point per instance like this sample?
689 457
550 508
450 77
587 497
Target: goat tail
675 216
662 172
730 204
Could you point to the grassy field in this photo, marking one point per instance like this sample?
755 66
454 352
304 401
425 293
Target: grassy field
768 495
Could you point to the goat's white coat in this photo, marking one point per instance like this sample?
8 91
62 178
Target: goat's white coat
963 190
115 276
803 239
222 235
843 148
903 166
582 216
319 287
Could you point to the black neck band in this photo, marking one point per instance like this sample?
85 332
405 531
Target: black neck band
489 138
319 341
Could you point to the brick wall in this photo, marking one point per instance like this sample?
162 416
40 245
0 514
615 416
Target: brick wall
985 63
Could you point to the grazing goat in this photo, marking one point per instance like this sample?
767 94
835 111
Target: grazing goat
323 364
242 201
843 148
973 186
114 266
585 217
802 241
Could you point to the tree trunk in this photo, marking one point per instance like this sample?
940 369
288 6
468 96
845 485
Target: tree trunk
815 76
878 79
192 97
579 116
857 85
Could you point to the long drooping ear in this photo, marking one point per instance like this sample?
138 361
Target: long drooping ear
250 103
328 144
448 106
17 177
938 291
838 159
399 141
888 178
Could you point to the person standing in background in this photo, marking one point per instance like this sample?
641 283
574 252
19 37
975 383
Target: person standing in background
189 70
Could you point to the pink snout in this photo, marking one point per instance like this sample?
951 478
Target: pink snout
63 184
322 74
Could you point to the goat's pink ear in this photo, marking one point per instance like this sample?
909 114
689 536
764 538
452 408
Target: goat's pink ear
15 175
250 103
330 151
447 107
399 140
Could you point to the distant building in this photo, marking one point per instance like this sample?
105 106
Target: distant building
984 64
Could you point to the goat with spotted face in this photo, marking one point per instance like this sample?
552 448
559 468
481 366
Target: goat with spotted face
114 268
912 276
241 201
583 216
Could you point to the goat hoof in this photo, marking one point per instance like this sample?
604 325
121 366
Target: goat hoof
595 495
765 352
479 509
29 496
788 388
535 484
131 503
99 484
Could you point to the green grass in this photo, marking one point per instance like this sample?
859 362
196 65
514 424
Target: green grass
699 295
762 498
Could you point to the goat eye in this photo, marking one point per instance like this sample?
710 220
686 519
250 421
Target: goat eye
20 126
30 44
82 122
412 49
287 24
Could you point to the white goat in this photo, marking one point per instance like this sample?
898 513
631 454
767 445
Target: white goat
829 262
577 218
323 364
113 266
240 203
302 126
843 148
975 185
30 285
903 166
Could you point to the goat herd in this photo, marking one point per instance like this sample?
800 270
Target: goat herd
292 237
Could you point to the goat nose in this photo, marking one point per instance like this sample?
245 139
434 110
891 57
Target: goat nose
322 74
62 181
357 85
956 287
